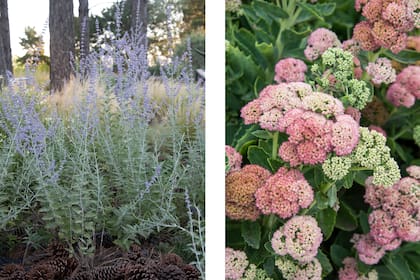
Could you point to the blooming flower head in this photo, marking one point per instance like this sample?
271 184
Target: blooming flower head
251 112
387 36
372 10
240 188
362 33
407 226
381 228
290 70
234 158
409 78
235 264
351 46
345 135
284 193
414 171
302 238
400 16
399 95
350 272
368 250
319 41
381 71
292 270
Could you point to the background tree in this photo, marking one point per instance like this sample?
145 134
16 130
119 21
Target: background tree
5 50
61 25
194 16
34 46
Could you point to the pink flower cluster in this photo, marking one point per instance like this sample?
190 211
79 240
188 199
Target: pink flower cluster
284 193
394 218
414 171
290 70
235 263
386 25
315 122
406 88
319 41
350 272
273 102
235 158
300 238
381 71
312 136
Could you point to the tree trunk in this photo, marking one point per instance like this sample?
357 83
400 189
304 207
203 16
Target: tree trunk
5 50
84 28
139 20
61 42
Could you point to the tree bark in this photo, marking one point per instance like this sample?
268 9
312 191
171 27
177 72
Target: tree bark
61 42
139 20
5 50
84 28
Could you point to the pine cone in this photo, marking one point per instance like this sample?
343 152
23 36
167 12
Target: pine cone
41 272
149 271
191 272
141 255
172 272
57 250
101 273
12 272
172 258
52 269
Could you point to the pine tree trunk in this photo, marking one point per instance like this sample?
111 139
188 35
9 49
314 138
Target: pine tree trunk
5 50
61 42
84 28
139 20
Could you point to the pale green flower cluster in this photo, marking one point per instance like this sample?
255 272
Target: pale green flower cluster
254 273
359 93
336 168
340 62
416 135
372 275
233 6
294 270
336 76
370 153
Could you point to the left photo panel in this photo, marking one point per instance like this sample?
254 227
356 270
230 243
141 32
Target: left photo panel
102 139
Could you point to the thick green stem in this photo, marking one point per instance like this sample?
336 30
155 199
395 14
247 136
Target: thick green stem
325 187
275 150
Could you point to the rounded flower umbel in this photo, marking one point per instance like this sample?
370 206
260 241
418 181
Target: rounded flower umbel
350 272
300 238
290 70
235 264
319 41
406 88
234 158
241 186
284 193
381 71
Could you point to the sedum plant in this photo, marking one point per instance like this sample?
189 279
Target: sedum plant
321 169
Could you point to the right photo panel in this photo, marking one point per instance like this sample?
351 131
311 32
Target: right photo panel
322 158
